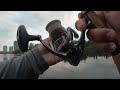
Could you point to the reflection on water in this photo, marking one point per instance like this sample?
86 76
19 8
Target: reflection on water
6 56
90 68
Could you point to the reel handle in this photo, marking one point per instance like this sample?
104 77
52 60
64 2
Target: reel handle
23 38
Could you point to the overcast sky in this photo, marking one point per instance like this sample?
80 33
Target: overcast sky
34 21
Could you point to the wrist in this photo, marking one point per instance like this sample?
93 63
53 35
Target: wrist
42 50
40 62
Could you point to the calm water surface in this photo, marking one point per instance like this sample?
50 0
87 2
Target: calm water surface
100 68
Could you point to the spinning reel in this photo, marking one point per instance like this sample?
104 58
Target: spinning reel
61 44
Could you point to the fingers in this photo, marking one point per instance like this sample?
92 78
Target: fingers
99 35
105 47
102 38
81 23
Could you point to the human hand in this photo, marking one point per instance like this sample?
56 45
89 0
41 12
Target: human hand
50 58
103 37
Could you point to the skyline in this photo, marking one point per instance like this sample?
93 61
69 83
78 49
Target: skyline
34 21
15 47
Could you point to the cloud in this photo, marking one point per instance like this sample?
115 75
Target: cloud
34 21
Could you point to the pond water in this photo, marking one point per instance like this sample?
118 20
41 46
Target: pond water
91 68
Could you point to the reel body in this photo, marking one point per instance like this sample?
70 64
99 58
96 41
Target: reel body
61 44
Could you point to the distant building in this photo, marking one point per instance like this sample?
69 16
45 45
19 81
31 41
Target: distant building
11 49
31 46
4 49
16 47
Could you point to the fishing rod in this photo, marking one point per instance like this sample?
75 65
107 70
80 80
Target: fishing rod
62 43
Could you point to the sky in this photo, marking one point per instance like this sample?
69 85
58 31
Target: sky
34 21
